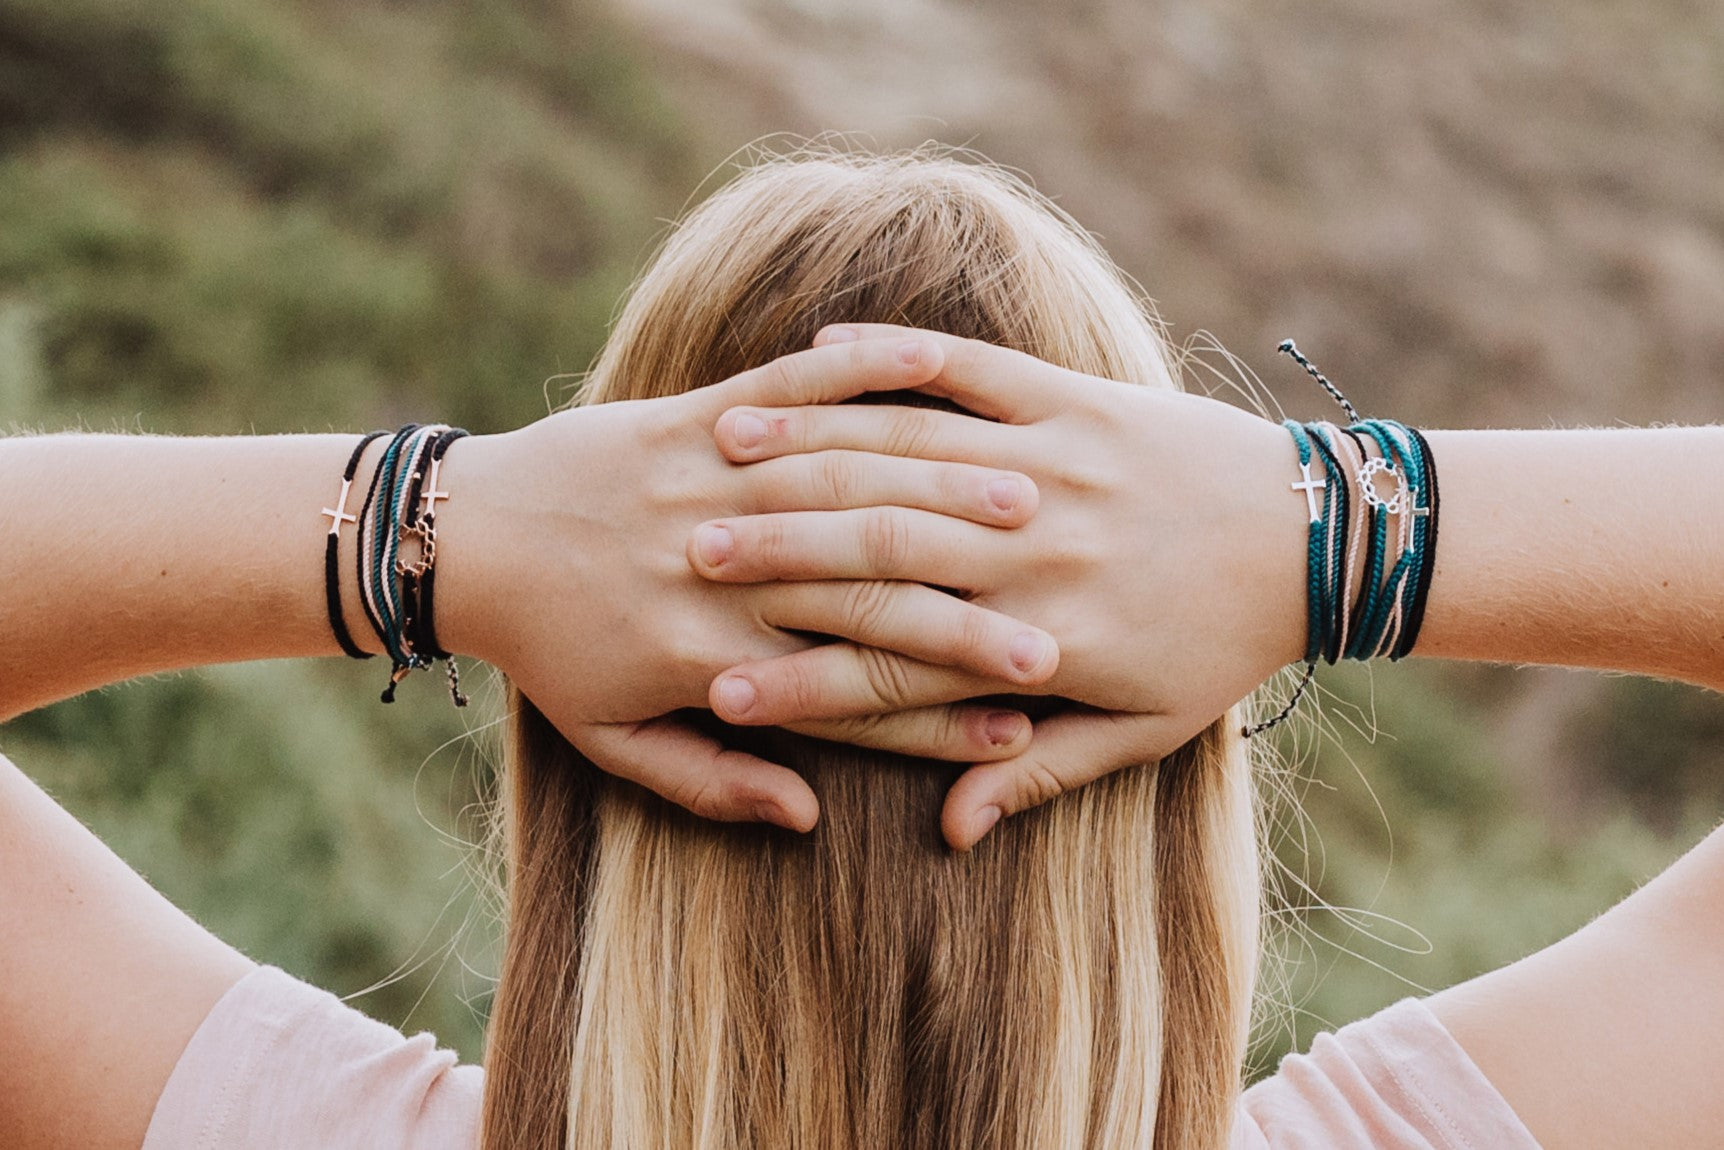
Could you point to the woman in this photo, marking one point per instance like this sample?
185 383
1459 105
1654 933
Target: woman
1084 978
671 983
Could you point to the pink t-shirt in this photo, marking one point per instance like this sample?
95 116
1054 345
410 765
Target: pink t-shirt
280 1064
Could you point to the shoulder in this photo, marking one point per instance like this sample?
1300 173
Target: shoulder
279 1063
1396 1079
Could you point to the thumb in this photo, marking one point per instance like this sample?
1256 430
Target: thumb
1066 750
670 757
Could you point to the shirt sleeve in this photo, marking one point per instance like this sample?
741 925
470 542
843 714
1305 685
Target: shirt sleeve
280 1064
1395 1081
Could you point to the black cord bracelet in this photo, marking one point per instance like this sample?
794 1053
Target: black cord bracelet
423 627
332 550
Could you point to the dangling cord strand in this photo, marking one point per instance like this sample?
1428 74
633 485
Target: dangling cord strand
1256 729
1288 347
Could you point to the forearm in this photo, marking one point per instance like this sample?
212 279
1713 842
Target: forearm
1581 548
123 555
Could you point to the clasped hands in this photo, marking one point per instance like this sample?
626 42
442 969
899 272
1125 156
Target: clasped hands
1118 546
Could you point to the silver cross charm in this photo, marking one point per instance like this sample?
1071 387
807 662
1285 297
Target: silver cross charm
1310 487
431 494
338 514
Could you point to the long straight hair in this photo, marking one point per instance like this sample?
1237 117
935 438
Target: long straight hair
1081 979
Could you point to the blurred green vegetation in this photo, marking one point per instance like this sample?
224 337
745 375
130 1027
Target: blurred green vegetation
224 216
1412 856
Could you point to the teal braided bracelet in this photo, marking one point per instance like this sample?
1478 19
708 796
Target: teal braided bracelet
1398 561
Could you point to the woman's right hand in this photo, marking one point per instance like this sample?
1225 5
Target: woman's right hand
562 562
1167 558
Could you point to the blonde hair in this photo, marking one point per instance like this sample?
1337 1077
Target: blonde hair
1083 978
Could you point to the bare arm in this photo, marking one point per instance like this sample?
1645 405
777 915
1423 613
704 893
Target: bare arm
560 559
1613 1036
102 982
1599 549
127 554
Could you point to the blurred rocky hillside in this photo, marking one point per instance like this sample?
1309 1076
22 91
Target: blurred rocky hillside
1470 214
1473 213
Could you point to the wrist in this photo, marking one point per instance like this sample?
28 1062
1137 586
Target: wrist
1282 533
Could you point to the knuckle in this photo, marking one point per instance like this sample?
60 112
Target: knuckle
837 479
885 540
707 795
766 544
661 489
860 355
783 380
956 485
799 691
909 432
691 651
975 632
866 608
1088 475
886 677
963 729
1036 784
656 435
863 730
961 354
1070 551
793 430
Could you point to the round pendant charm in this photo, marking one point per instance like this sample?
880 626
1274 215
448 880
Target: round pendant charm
1397 501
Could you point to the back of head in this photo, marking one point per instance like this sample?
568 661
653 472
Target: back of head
1081 979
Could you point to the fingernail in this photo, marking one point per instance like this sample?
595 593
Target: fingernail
749 430
985 820
714 543
1002 493
1028 650
1003 727
910 352
840 335
737 694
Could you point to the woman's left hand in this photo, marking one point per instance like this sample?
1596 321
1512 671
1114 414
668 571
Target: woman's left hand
1167 559
563 564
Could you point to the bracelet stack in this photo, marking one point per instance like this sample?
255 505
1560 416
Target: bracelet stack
397 554
1373 521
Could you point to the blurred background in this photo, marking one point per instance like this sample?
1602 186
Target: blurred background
232 216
